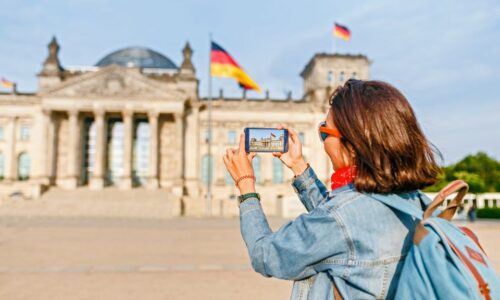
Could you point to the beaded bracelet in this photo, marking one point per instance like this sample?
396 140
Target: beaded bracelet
243 177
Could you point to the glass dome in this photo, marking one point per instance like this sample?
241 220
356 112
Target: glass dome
137 57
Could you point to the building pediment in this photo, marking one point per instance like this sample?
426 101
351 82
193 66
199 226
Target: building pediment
114 82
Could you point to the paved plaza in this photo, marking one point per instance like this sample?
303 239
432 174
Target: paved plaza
179 258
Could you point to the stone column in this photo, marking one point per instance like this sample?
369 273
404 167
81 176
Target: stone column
73 149
179 153
10 154
153 150
320 163
52 149
44 147
266 169
128 128
193 203
97 180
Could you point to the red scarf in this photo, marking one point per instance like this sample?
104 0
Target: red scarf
343 176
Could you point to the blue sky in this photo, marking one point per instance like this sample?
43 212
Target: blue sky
443 55
265 133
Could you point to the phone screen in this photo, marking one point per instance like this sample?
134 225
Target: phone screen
266 140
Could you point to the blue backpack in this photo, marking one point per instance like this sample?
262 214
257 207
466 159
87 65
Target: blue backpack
445 261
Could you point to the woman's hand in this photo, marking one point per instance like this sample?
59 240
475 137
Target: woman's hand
293 158
239 163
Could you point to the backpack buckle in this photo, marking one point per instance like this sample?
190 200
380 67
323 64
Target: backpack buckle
484 289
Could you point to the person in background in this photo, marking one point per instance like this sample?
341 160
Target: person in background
472 213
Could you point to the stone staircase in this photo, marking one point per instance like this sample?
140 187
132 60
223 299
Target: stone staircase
19 190
108 203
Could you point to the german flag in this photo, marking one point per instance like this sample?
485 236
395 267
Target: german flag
341 32
6 84
223 65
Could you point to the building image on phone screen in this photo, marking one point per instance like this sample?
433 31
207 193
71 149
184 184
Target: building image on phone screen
266 140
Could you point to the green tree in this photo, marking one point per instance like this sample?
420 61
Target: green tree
442 182
487 168
480 171
475 182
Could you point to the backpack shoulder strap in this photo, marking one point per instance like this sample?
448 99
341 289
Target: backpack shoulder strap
398 203
403 205
457 186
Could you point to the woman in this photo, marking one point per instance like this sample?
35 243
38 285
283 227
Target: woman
376 146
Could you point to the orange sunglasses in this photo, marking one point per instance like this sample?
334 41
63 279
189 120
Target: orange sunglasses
324 132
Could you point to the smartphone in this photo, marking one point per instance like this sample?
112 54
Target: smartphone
266 140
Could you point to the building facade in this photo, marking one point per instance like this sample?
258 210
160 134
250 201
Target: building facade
136 121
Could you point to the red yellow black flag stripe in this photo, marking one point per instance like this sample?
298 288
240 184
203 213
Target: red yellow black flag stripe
223 65
6 83
341 32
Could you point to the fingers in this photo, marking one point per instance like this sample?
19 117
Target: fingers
229 153
241 148
277 154
229 168
226 161
251 155
293 135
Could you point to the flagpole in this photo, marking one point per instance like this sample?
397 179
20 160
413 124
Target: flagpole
209 179
334 42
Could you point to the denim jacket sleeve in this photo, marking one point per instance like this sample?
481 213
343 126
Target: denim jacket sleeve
292 251
310 189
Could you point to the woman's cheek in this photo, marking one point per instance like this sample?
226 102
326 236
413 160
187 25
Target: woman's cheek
329 149
335 151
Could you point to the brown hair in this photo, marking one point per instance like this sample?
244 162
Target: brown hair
377 123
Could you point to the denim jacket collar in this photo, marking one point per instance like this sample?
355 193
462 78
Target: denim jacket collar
347 187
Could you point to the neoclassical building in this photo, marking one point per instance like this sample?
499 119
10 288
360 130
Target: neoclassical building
136 121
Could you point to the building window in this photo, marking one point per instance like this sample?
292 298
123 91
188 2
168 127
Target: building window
341 76
23 166
25 133
354 75
206 165
277 170
207 136
140 157
229 180
1 134
329 77
2 166
88 149
302 137
231 137
115 150
256 169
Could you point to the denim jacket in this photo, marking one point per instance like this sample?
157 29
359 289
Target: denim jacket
346 237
